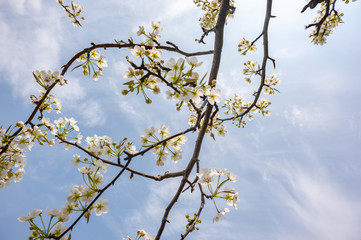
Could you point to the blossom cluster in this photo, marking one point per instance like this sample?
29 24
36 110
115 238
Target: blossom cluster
48 78
153 36
13 161
14 156
207 178
76 201
80 196
237 106
214 124
211 8
50 103
93 63
185 81
251 68
73 12
104 146
53 229
270 82
141 79
145 76
154 136
331 22
244 46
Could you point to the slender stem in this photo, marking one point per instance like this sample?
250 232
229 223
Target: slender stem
266 57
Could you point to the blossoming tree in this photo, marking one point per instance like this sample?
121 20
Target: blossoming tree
148 73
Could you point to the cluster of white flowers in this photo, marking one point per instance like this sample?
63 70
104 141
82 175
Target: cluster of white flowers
237 105
56 229
104 146
207 177
211 8
184 80
145 77
14 156
153 36
141 82
155 135
47 78
50 103
331 22
261 107
73 12
62 127
251 68
270 83
76 201
244 46
92 62
215 124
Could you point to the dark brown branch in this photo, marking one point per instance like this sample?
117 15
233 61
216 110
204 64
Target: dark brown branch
162 142
87 50
218 44
31 117
196 218
159 177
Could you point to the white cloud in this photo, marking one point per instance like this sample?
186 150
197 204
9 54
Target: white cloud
71 92
30 40
315 205
92 114
305 117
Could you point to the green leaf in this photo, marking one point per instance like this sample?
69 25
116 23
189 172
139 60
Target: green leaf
77 66
129 83
38 80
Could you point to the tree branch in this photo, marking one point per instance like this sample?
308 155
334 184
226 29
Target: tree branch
218 44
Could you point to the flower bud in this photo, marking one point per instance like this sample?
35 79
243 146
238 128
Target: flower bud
20 124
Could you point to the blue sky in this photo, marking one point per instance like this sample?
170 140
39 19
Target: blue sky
298 170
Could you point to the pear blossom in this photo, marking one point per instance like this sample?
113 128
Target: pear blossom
95 53
213 95
140 31
130 148
67 209
156 26
102 61
53 212
101 207
138 51
193 61
231 177
155 53
164 131
87 194
33 214
75 160
231 197
176 155
58 229
220 214
206 176
219 172
101 165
